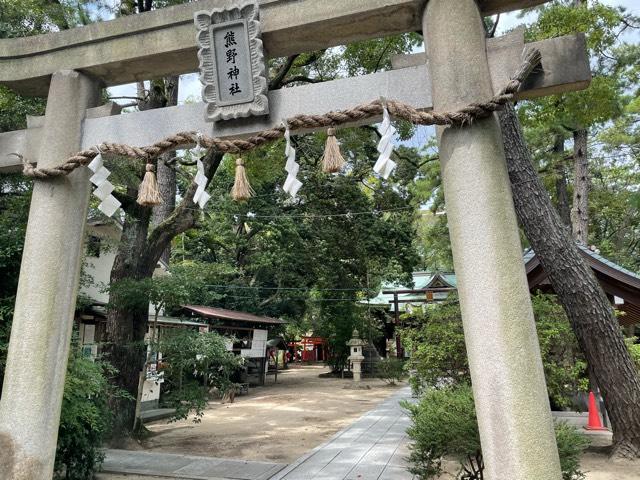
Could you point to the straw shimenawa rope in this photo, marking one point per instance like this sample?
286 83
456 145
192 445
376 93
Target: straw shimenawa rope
396 109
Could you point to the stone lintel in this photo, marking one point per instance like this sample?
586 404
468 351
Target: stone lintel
162 42
565 63
27 142
565 69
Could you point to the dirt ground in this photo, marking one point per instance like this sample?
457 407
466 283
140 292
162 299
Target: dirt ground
280 422
275 423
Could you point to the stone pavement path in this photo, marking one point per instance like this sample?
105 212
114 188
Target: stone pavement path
374 447
187 466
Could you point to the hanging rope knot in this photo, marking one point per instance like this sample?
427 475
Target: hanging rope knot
148 193
332 160
241 189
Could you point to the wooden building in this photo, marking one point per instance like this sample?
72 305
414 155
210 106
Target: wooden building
621 286
248 334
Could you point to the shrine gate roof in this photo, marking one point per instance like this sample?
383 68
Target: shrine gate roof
162 42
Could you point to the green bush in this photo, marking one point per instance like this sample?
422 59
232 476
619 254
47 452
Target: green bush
436 342
193 363
634 351
86 418
444 424
390 369
571 444
438 354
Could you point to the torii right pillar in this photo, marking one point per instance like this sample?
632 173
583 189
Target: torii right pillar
514 417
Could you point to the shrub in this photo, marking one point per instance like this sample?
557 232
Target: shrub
444 424
86 418
438 355
193 362
436 342
390 369
571 444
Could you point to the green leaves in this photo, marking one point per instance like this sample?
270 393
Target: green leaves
444 424
438 355
192 363
86 417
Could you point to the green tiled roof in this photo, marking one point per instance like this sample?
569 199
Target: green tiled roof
421 280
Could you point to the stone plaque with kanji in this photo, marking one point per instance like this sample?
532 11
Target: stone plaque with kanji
232 66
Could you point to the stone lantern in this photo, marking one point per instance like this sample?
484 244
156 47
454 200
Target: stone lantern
356 358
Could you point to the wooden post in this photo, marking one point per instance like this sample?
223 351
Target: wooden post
511 401
47 289
396 317
276 375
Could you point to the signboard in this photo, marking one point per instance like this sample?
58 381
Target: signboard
232 66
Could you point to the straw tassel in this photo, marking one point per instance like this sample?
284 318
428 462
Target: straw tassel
241 188
332 160
148 193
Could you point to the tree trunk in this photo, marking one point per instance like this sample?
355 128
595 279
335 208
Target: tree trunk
126 325
586 305
166 175
562 192
580 210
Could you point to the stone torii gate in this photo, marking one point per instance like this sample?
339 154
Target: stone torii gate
71 67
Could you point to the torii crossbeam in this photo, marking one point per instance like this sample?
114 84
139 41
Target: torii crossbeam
463 67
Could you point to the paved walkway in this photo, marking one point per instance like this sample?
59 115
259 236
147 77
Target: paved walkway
374 447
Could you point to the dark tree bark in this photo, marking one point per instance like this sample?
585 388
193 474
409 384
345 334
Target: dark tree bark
126 325
562 192
581 183
590 313
165 174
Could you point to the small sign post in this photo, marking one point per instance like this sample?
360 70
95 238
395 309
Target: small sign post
232 67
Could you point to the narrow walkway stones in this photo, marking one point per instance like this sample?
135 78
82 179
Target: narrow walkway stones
374 447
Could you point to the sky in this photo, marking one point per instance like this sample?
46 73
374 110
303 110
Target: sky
190 88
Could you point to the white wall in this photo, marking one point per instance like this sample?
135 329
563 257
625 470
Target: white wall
258 345
99 268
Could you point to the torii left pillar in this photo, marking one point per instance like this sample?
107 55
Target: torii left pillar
47 289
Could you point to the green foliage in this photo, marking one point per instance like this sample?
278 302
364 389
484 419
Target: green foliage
308 260
436 343
564 367
602 100
634 350
438 355
390 369
15 196
571 445
606 109
193 363
444 424
85 418
15 108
